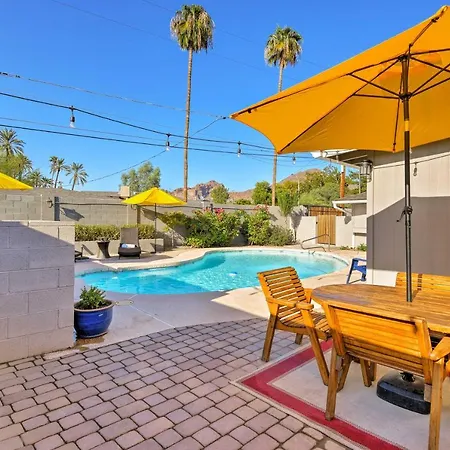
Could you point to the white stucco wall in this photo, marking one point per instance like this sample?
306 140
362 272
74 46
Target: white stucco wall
430 188
344 231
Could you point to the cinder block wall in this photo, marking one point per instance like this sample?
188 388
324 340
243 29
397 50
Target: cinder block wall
36 287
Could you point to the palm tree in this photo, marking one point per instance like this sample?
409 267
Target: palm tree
23 165
193 28
34 178
78 174
56 166
10 144
283 48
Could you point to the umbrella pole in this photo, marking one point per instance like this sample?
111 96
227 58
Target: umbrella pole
407 211
156 227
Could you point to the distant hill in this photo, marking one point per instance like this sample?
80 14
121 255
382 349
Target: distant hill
203 190
299 176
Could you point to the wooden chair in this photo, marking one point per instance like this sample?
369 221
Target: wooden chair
425 282
283 290
399 342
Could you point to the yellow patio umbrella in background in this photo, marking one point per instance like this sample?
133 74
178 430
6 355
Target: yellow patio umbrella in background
6 182
154 197
366 103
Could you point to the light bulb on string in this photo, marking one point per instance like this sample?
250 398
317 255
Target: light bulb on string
239 152
72 118
293 160
168 143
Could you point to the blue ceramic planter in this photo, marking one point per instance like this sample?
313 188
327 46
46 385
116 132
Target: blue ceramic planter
93 322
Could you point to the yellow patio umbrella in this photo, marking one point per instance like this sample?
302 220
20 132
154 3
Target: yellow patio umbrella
366 103
154 197
6 182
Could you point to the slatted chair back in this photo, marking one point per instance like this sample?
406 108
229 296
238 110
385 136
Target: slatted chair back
425 282
281 284
402 344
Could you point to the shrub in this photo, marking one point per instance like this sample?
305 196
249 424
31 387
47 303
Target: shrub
280 236
212 229
362 247
96 232
110 232
197 242
145 230
92 298
243 201
259 227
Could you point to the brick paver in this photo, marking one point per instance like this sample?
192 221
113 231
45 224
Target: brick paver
169 390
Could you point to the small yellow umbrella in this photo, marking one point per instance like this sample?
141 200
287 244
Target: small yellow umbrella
366 101
6 182
155 197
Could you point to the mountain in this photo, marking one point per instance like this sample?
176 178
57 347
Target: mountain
203 190
199 191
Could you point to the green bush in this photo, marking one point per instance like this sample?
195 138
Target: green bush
280 236
362 248
197 242
96 232
212 229
92 298
110 232
242 201
259 227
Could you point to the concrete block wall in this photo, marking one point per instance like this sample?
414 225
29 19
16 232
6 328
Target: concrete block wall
36 287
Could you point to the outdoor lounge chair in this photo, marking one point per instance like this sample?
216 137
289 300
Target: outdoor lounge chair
283 290
401 343
78 254
129 243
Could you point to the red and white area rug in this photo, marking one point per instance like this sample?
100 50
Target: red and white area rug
362 419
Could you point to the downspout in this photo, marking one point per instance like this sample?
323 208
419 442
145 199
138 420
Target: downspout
338 208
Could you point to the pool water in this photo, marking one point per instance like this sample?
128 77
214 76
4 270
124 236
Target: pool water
217 271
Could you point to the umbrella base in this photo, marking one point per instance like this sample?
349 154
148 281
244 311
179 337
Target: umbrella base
393 388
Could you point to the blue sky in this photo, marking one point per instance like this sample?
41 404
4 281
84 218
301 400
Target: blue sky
48 40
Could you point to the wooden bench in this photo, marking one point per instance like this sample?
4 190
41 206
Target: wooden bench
283 291
398 341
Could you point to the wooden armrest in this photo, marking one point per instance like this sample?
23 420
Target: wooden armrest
290 303
308 294
441 350
304 306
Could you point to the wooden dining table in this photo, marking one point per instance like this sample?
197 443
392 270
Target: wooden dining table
433 307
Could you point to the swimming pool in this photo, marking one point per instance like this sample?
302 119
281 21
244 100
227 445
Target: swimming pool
216 271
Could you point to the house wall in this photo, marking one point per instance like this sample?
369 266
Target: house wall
36 288
430 190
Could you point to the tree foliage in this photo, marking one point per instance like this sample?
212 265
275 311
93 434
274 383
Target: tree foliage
78 174
220 194
142 179
261 193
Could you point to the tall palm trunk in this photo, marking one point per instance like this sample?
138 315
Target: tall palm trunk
57 176
186 129
73 182
274 171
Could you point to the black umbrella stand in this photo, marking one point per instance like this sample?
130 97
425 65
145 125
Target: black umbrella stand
404 389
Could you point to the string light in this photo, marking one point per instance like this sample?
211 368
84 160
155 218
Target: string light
72 118
239 152
168 143
293 160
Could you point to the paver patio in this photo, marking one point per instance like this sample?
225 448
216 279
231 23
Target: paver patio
166 390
